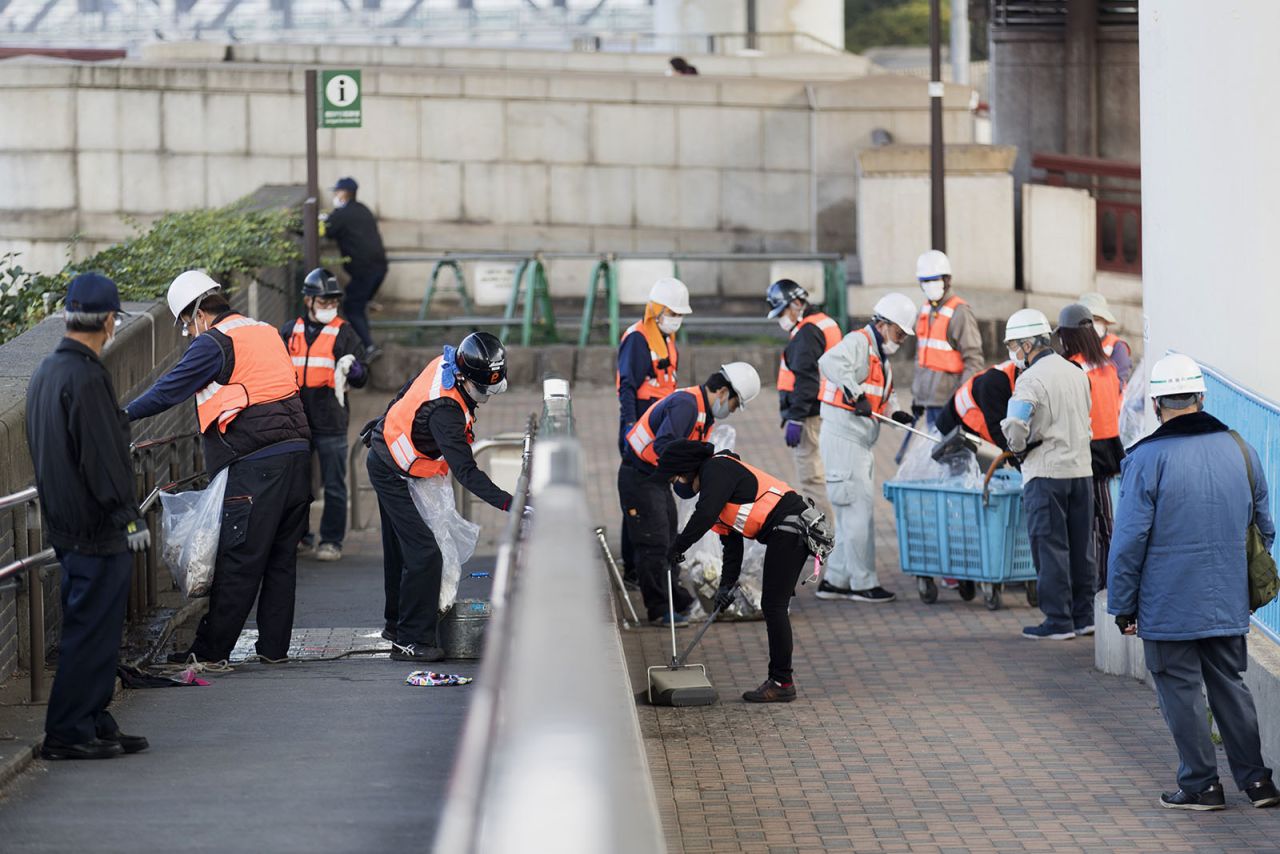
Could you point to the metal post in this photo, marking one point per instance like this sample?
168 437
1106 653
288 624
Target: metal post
311 207
35 608
938 212
960 41
751 24
151 562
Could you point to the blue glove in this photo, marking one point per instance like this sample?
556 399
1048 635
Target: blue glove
794 431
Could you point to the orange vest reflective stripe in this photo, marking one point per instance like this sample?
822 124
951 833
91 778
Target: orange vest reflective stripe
747 519
877 386
640 436
967 409
663 381
1104 387
397 427
831 335
261 373
933 351
314 363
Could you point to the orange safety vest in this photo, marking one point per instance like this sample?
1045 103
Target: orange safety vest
663 381
747 519
640 436
831 335
1109 342
397 426
967 409
314 363
933 351
877 386
261 373
1104 387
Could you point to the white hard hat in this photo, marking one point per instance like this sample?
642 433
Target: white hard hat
932 264
744 380
1175 374
671 293
188 288
899 310
1098 307
1026 323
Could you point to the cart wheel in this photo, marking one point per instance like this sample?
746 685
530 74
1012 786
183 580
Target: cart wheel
1033 595
928 589
991 596
967 590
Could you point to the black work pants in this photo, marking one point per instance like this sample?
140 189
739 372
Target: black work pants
649 513
411 561
95 589
264 515
784 559
355 300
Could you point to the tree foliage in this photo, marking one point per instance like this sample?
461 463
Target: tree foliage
882 23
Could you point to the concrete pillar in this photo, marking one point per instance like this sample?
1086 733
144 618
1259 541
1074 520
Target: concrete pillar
959 41
1080 104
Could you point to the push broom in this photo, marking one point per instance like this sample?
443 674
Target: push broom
681 683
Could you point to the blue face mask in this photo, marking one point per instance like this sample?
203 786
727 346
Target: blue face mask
683 490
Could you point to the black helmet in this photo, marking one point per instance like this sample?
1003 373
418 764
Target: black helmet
782 293
482 359
321 283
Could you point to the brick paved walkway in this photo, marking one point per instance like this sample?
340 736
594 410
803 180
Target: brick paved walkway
918 728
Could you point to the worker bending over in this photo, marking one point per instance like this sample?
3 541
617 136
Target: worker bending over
980 404
649 511
857 385
738 501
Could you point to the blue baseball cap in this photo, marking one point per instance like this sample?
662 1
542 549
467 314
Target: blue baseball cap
348 184
93 293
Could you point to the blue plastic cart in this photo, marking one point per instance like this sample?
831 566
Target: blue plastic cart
977 537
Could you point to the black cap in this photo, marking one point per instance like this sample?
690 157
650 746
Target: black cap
321 283
482 359
93 293
782 293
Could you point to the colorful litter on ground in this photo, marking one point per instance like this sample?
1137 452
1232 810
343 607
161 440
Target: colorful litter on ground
430 679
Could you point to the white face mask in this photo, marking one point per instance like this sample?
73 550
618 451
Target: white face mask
1015 356
669 324
1100 329
720 407
326 315
889 346
338 202
933 289
787 322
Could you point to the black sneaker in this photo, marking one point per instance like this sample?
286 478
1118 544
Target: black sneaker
830 591
771 692
389 635
876 595
1212 798
416 652
128 743
1263 794
95 749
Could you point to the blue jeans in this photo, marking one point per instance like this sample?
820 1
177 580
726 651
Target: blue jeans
332 451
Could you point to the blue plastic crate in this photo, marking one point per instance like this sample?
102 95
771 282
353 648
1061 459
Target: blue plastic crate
946 531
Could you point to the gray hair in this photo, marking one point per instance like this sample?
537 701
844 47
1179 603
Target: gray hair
1180 401
86 321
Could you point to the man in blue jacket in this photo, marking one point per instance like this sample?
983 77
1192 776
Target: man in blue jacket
1179 580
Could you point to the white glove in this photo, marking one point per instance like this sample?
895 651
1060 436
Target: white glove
340 372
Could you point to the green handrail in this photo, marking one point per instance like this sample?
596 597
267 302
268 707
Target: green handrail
603 271
460 288
531 280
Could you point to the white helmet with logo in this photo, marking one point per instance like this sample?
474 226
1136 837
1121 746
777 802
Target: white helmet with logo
1175 374
743 379
1026 323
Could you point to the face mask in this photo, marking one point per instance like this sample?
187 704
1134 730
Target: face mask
889 346
720 407
338 202
1015 356
1100 329
111 331
787 322
481 394
933 289
326 315
668 324
683 490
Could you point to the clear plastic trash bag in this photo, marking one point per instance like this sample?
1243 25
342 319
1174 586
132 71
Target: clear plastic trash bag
957 469
456 536
1133 409
190 526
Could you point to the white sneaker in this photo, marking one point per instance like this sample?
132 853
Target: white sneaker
329 552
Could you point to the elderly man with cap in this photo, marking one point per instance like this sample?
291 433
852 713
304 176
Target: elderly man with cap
355 229
1113 346
1179 580
79 441
254 426
857 391
1048 425
648 361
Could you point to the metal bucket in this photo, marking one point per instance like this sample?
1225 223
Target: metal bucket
462 628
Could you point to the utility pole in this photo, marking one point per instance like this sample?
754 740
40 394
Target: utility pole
938 210
311 205
960 41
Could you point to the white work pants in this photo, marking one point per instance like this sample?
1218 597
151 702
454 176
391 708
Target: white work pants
849 465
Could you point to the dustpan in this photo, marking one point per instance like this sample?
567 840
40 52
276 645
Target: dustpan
680 683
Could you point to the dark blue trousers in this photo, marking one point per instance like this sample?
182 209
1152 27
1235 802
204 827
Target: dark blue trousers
355 301
332 451
1059 515
95 589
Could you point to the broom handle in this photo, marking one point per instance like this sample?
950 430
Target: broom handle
711 618
671 603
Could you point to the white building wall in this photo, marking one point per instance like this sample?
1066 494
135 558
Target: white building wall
1209 185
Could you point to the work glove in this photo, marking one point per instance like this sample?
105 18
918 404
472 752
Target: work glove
137 536
1125 621
917 409
724 598
794 431
675 555
340 372
903 418
862 406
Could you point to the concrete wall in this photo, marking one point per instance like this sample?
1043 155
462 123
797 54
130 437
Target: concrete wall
449 159
894 215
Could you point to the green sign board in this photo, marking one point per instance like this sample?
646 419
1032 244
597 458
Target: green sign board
340 99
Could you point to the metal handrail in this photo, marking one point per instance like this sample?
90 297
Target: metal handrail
22 496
